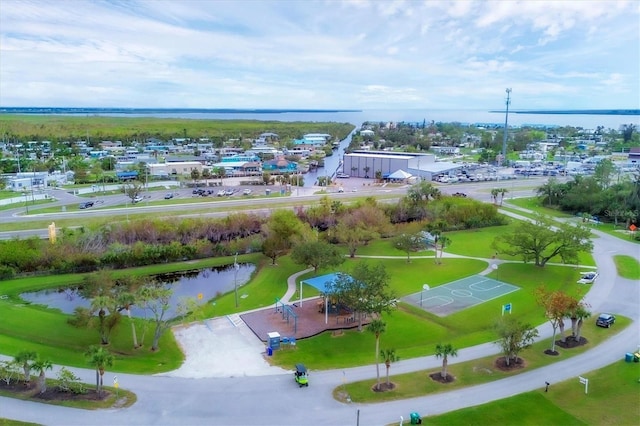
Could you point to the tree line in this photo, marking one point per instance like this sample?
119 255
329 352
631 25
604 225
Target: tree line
159 240
607 195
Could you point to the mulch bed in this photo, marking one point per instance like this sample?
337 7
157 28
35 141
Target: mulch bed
437 377
22 390
571 342
501 364
384 387
310 321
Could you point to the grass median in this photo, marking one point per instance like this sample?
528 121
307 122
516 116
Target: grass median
478 371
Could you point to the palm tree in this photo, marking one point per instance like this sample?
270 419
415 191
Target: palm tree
389 356
100 358
26 359
444 351
442 243
377 327
502 191
494 195
40 366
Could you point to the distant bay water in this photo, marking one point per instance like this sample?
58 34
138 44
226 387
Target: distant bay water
586 119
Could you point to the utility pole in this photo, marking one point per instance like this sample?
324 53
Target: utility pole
506 123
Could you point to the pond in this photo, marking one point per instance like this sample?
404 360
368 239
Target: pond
210 282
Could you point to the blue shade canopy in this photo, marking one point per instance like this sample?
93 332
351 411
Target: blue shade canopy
321 282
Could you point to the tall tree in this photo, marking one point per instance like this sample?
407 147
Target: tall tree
317 254
409 243
627 131
155 298
389 356
556 305
544 239
366 290
100 358
361 225
133 189
515 336
444 351
280 230
377 327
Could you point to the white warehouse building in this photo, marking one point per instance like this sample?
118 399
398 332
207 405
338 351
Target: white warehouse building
365 164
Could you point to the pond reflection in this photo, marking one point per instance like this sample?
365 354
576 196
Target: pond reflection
210 282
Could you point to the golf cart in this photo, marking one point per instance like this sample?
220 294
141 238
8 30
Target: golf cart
301 375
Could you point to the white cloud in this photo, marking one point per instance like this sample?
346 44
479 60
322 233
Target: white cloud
318 54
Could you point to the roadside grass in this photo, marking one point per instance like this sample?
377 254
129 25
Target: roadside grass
414 332
123 213
627 266
475 372
31 205
612 400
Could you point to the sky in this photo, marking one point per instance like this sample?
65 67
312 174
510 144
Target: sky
328 54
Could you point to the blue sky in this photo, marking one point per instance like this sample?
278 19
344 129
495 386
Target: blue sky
352 54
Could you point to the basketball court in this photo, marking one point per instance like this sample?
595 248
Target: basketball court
458 295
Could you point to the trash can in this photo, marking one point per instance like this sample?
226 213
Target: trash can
628 357
269 351
415 418
636 357
267 191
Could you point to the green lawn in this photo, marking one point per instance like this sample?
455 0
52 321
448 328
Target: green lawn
414 332
477 243
627 266
612 400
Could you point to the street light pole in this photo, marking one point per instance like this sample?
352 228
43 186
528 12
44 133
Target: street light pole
506 120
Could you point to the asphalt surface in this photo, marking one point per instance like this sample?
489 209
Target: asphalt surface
277 400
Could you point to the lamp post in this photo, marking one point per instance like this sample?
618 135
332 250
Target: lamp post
424 287
506 119
235 277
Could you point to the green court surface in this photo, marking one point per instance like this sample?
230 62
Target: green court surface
461 294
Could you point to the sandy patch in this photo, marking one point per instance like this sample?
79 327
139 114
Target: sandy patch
217 348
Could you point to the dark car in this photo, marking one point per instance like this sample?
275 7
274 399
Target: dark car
168 196
86 204
605 320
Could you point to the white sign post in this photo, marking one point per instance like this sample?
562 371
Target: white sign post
585 382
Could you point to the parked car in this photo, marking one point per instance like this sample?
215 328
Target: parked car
86 204
342 176
605 320
588 277
137 199
246 191
221 193
168 196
